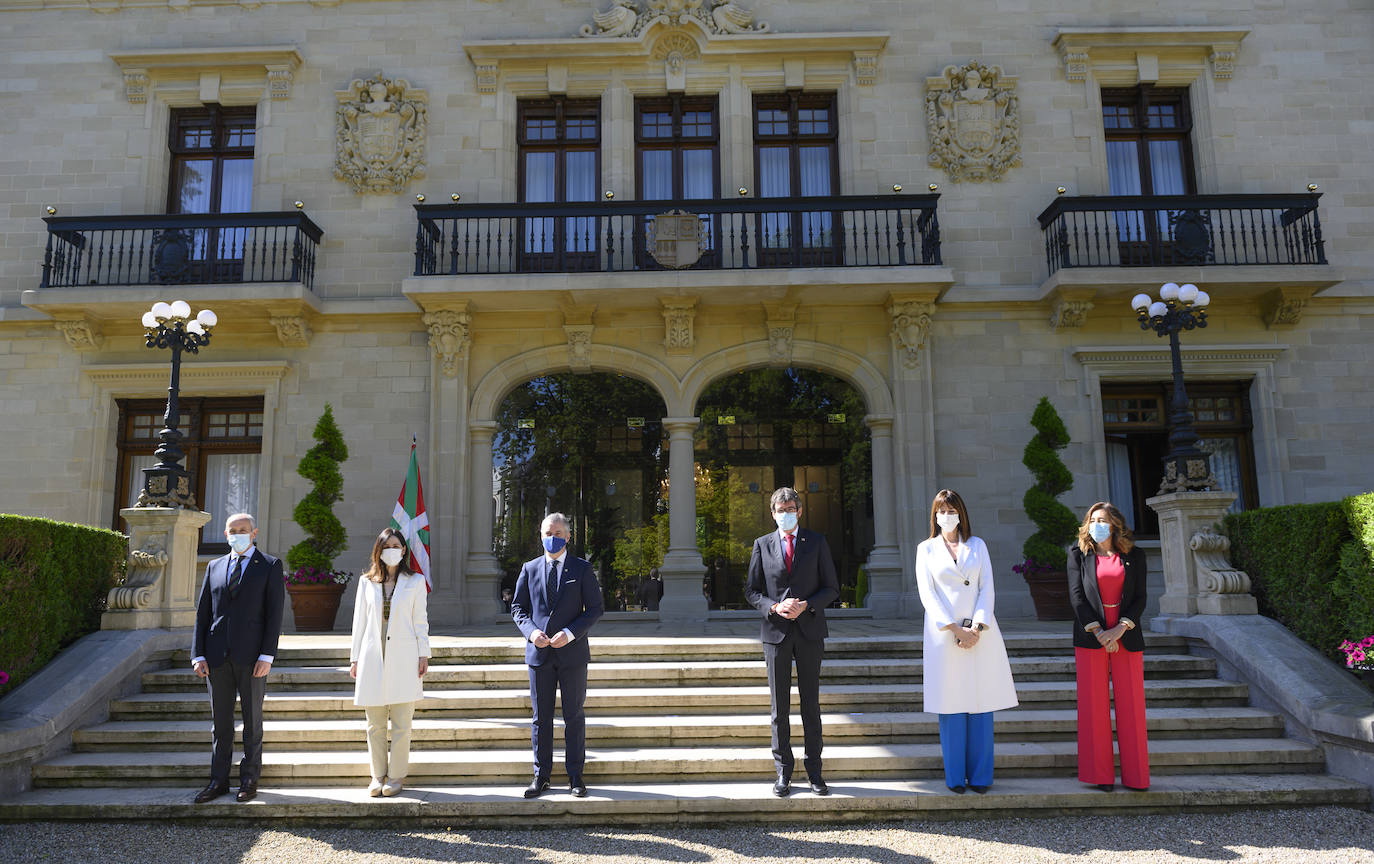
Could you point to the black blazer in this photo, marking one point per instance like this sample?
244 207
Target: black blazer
1087 603
812 579
576 606
239 628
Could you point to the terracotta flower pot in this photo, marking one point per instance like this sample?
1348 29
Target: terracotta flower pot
1050 592
315 606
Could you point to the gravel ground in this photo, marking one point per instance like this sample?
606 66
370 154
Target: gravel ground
1312 836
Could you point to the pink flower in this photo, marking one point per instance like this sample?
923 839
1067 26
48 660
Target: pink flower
4 677
1357 656
1368 642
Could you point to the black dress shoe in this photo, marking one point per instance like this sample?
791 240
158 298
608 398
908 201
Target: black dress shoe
577 787
818 787
211 792
1106 787
981 790
248 790
957 790
782 786
537 787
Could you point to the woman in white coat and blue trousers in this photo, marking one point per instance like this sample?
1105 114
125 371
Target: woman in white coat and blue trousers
966 675
390 656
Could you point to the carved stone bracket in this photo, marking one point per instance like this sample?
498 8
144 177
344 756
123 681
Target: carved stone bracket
146 567
380 126
1215 573
910 327
1171 56
579 346
449 336
243 71
293 331
82 334
1283 307
974 120
1070 307
678 317
487 76
780 319
136 86
1223 64
279 79
1075 64
865 68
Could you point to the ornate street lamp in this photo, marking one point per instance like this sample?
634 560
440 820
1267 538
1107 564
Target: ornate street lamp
170 325
1186 468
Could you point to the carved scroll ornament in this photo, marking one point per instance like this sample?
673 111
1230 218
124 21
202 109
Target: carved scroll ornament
629 18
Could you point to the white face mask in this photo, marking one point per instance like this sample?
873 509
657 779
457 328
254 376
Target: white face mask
240 542
392 557
786 521
947 521
1099 531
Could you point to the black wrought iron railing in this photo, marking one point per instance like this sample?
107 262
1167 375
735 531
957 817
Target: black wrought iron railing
180 249
1164 230
835 231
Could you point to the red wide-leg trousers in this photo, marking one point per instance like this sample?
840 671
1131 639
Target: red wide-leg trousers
1124 673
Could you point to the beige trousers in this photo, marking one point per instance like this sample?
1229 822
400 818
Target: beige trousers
394 763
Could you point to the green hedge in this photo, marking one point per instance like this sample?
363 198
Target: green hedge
54 578
1310 565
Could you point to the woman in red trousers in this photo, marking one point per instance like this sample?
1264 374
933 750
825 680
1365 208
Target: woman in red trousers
1107 590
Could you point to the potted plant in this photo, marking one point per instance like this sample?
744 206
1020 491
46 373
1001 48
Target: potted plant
314 585
1046 557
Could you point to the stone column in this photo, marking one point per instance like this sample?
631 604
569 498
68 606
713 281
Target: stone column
160 590
450 340
1197 579
884 566
682 568
483 573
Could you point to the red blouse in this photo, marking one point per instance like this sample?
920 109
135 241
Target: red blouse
1111 579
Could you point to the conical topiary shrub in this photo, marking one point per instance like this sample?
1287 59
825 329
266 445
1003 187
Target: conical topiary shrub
1056 524
325 537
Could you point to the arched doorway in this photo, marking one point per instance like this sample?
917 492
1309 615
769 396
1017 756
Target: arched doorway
590 446
765 428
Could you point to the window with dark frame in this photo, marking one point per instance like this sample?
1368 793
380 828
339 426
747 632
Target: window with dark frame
222 440
1148 133
796 156
677 158
212 172
560 161
1135 419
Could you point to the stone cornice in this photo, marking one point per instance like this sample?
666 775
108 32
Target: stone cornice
1170 56
1248 354
142 376
251 67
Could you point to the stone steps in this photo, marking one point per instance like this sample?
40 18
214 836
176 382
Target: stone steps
670 731
846 698
666 764
651 805
659 673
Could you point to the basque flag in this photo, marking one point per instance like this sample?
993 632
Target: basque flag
410 519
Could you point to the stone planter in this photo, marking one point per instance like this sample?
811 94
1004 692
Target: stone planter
315 606
1050 593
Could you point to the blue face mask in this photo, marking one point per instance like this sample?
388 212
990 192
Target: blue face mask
786 521
554 545
1099 531
240 542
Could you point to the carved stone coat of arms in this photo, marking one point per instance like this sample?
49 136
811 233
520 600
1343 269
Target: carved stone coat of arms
974 121
676 239
380 128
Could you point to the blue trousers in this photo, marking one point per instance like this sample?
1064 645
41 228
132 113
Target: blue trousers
966 744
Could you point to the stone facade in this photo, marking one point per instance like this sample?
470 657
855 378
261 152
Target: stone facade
1279 96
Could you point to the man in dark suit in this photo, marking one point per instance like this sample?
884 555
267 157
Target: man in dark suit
557 593
238 621
791 581
651 592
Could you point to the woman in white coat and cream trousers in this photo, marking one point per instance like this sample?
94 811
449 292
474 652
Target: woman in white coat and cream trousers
390 656
966 675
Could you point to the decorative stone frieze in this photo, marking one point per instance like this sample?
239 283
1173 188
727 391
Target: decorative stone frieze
1283 307
780 320
449 336
579 346
910 327
629 18
1070 312
82 334
678 317
973 117
293 331
379 131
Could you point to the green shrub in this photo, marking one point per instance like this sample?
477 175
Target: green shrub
1056 523
325 536
1307 570
54 578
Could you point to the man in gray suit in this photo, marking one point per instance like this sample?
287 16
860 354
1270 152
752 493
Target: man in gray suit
791 581
238 622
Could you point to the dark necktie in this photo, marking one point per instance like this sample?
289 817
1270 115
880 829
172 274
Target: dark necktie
787 556
551 586
236 576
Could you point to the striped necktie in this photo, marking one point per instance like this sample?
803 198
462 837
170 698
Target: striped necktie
551 585
236 576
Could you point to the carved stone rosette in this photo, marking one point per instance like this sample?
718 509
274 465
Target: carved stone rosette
678 316
910 327
449 337
974 120
379 134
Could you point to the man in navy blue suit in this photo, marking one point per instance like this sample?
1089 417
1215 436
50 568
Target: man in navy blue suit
557 593
238 621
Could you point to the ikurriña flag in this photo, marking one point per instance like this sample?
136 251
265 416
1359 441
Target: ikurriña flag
410 519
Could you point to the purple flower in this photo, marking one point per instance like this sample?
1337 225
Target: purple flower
4 677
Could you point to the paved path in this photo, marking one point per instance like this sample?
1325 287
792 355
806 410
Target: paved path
1327 835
